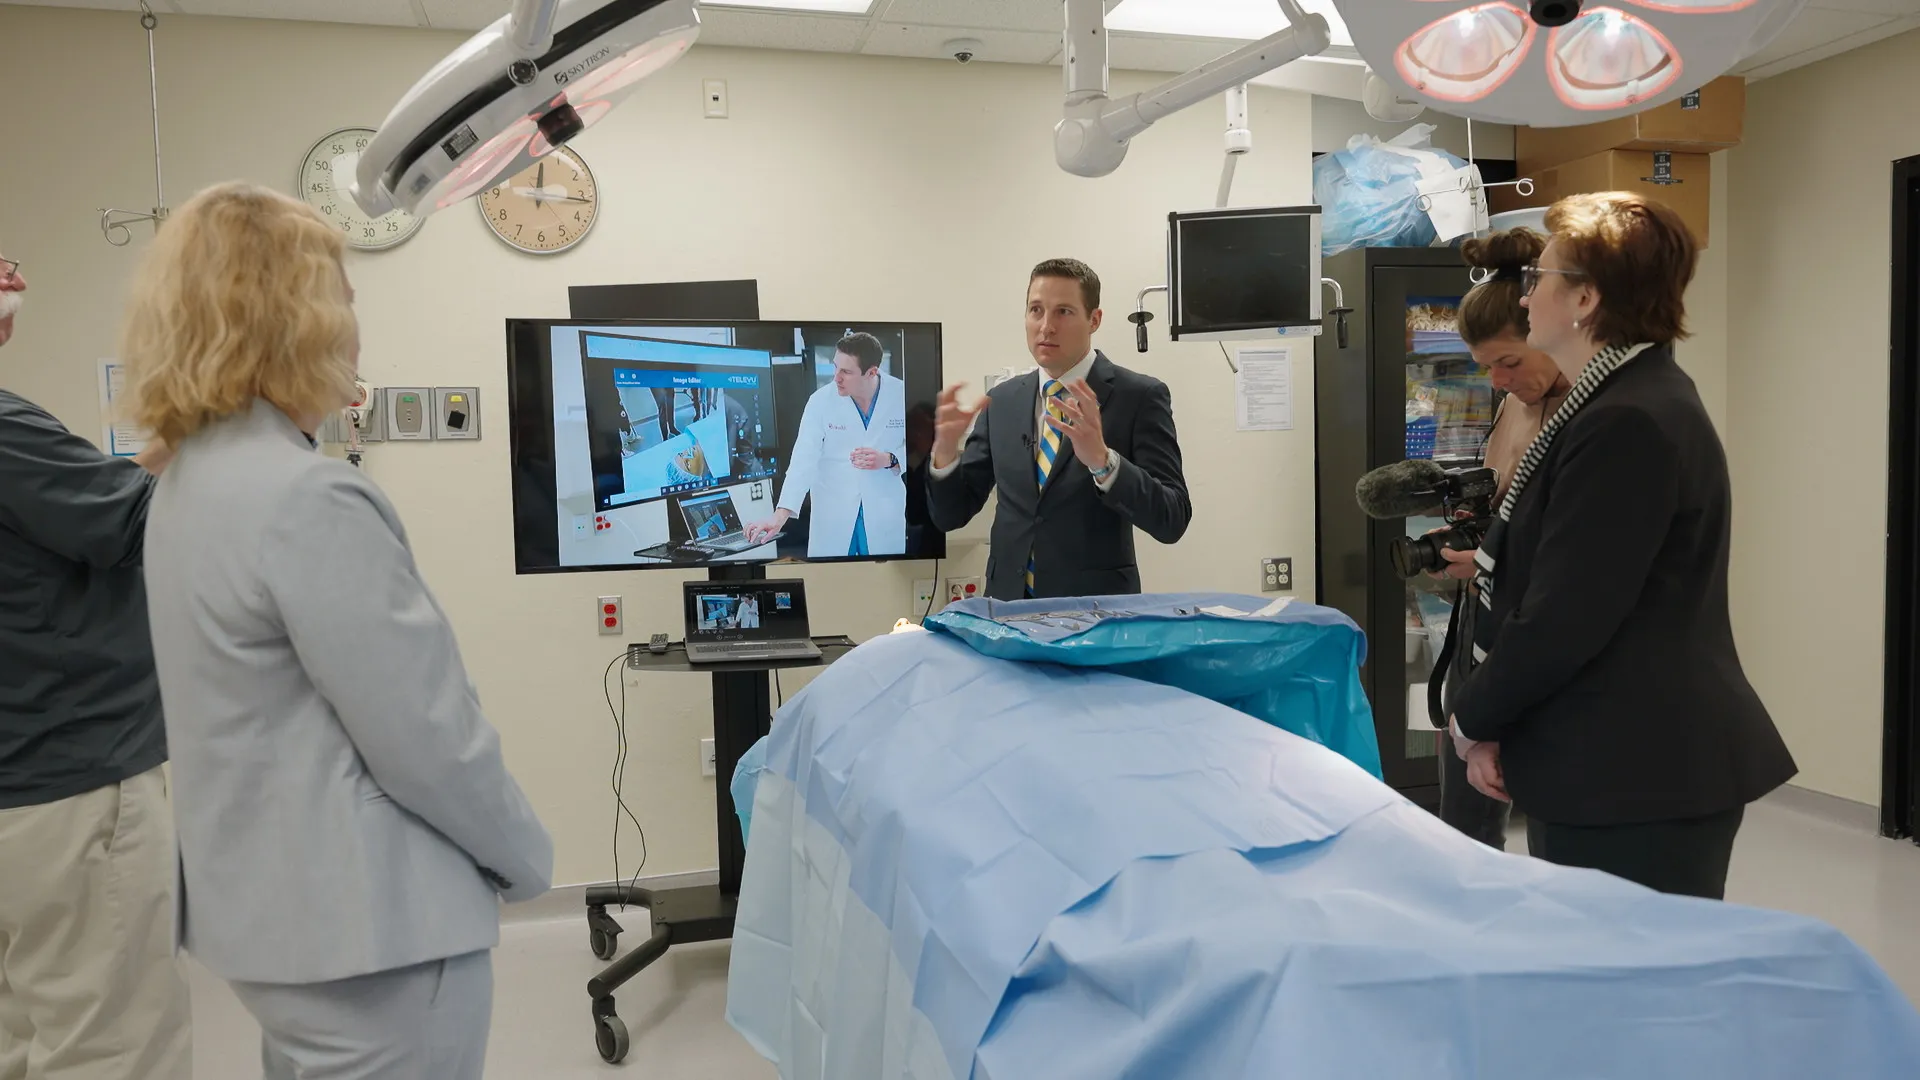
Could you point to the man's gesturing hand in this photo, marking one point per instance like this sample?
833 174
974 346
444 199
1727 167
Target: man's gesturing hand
1082 426
950 425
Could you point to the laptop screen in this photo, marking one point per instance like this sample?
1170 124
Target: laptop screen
746 611
710 517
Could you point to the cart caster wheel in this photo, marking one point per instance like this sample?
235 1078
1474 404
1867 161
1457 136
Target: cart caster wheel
611 1035
604 944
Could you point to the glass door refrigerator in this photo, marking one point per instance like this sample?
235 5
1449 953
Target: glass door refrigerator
1403 387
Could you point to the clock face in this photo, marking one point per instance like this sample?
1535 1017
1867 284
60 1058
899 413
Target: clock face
325 174
546 209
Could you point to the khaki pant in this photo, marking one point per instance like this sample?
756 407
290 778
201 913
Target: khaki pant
90 988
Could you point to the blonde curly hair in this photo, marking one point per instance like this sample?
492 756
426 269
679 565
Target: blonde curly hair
242 296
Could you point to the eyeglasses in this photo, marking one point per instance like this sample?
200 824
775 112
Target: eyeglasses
1530 277
9 268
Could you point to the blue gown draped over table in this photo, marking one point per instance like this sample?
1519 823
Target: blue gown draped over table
967 866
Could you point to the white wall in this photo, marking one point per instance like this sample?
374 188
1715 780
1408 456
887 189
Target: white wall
1807 398
851 188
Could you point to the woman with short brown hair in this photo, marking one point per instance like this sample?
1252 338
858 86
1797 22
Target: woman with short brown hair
1609 702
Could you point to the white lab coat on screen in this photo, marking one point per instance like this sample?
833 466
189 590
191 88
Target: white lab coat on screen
830 431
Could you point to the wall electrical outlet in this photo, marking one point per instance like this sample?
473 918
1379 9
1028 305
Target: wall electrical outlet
964 588
714 98
1276 575
708 766
613 621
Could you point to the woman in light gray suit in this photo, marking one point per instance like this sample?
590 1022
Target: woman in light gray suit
347 827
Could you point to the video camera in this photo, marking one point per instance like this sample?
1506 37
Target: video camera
1462 497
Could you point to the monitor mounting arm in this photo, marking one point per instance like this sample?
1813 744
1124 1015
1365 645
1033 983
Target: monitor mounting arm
1092 139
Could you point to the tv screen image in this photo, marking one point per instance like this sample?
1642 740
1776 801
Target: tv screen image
728 613
646 443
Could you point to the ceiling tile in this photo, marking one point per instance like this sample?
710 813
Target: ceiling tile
464 14
996 46
1036 16
367 12
1879 7
1812 29
769 30
160 7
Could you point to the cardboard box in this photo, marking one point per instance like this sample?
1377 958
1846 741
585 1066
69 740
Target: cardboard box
1713 122
1688 188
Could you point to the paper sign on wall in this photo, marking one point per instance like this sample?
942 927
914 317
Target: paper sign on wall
117 436
1263 390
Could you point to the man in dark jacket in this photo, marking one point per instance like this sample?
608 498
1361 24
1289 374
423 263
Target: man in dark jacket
1081 452
89 984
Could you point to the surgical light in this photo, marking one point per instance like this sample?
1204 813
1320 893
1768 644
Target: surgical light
1554 63
527 84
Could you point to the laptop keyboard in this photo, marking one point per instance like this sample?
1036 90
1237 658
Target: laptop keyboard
751 648
738 539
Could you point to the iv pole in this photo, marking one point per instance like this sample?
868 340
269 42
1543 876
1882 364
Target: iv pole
113 223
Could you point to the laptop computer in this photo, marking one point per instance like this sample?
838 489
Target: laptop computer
734 621
713 525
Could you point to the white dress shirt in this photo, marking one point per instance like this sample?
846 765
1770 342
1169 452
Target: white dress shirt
1078 372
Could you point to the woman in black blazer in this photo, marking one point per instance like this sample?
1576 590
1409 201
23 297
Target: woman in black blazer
1610 704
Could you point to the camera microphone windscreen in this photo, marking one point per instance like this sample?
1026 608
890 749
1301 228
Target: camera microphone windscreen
1402 489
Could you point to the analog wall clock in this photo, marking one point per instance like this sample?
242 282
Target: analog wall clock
326 172
548 208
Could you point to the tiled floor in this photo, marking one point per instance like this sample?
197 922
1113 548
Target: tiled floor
1787 859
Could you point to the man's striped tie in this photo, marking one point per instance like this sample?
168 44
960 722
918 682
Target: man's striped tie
1048 451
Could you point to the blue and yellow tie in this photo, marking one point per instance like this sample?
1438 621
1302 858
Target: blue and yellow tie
1048 451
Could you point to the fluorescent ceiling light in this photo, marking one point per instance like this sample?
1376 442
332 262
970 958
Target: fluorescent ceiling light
833 7
1239 20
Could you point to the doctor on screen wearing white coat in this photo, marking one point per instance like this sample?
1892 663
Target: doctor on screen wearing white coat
850 455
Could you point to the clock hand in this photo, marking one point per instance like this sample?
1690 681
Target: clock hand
540 195
540 181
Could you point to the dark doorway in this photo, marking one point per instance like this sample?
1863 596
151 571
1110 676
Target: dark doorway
1900 790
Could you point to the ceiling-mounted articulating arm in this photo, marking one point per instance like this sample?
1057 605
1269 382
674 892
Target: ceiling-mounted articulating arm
1141 316
1340 311
1239 141
530 26
1092 139
113 223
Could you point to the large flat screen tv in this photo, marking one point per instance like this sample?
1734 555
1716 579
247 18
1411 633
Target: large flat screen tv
678 444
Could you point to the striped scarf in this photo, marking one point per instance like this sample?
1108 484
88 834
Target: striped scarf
1609 360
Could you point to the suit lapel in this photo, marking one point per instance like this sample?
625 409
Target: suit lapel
1016 439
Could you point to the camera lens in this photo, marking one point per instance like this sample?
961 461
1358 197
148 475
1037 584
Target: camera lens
561 124
1415 555
1551 13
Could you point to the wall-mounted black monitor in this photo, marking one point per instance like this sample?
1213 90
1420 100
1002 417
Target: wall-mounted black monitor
1243 274
654 443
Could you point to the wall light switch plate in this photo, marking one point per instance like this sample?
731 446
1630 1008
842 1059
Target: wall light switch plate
714 98
456 412
708 766
408 409
923 599
1276 575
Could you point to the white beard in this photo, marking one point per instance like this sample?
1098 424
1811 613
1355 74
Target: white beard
9 305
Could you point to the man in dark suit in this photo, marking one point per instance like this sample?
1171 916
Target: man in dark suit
1083 452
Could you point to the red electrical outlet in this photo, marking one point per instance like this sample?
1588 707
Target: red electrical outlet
612 621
